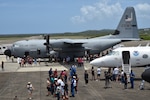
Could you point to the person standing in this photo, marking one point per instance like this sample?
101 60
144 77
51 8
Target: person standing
86 77
66 90
132 79
93 73
50 72
2 65
73 84
116 72
107 79
30 89
19 61
77 80
58 91
48 86
55 73
125 81
122 77
98 73
39 61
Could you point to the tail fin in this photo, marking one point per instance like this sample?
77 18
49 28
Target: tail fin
127 28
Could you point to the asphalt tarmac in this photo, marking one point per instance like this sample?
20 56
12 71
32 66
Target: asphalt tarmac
13 82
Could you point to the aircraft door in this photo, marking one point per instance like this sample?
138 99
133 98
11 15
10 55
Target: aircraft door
126 64
126 57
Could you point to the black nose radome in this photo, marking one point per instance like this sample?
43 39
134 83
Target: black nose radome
7 52
146 75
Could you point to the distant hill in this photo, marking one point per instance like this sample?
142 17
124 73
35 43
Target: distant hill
92 33
144 33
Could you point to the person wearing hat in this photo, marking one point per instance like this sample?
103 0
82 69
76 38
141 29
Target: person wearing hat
16 98
30 89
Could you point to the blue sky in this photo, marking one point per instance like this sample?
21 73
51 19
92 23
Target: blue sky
58 16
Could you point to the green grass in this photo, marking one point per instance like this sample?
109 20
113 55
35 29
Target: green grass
145 36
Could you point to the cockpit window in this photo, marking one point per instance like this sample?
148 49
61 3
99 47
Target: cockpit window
116 53
15 45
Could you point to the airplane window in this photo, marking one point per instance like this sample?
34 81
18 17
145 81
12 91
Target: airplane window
145 56
114 53
15 45
0 47
4 47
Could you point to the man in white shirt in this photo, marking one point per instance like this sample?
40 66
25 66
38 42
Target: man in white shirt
98 73
116 72
30 89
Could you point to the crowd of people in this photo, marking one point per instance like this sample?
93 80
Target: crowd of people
64 84
116 75
58 83
23 62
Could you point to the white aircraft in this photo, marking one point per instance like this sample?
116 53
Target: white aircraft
127 30
135 56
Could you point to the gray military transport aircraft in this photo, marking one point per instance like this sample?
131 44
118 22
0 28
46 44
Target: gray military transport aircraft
127 30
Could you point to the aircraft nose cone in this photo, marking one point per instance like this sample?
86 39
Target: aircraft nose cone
92 62
146 75
95 62
7 52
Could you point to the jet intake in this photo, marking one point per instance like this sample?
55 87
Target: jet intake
7 52
146 75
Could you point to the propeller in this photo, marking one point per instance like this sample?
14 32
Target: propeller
47 43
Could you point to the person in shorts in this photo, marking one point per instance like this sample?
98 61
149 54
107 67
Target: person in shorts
30 89
98 73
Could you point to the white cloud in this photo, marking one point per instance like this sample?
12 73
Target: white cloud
96 12
142 10
77 19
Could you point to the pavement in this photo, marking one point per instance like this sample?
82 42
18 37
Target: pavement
13 81
14 78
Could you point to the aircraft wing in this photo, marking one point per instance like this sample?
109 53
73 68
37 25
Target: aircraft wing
74 43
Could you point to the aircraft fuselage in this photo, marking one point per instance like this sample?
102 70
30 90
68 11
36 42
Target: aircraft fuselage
63 47
138 56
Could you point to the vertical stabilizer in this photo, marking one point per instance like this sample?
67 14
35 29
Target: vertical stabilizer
127 28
